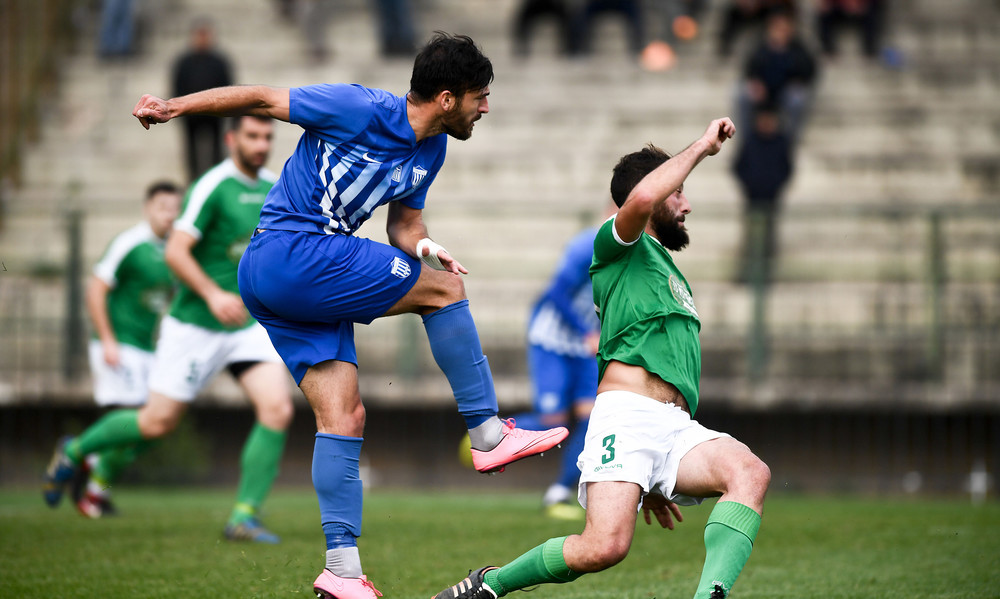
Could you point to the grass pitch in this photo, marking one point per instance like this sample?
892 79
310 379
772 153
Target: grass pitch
167 544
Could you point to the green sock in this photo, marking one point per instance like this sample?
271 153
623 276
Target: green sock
729 535
544 563
112 462
116 429
258 469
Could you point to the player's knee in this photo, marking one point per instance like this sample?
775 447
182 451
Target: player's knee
754 475
602 551
154 425
450 289
277 414
610 553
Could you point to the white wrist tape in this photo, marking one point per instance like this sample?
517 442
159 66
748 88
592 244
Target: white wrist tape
430 259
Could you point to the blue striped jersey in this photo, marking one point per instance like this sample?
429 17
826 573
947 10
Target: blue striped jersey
564 314
356 153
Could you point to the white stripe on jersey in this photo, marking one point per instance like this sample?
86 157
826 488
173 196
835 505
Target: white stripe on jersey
549 331
120 247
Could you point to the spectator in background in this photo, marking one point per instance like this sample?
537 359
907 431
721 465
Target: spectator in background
739 15
763 166
677 20
629 10
528 15
780 71
201 67
394 20
865 15
117 27
395 27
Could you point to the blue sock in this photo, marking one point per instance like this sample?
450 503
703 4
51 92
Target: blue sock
338 486
569 474
458 352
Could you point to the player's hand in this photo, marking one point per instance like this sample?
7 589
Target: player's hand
227 308
112 353
151 110
450 264
593 342
666 511
718 131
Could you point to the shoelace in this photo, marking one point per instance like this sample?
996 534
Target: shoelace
368 583
510 428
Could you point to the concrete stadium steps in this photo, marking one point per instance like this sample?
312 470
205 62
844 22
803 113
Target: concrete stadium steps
509 199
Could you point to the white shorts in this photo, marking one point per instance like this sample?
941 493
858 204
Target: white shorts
188 356
124 385
633 438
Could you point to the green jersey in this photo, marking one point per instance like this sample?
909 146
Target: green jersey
220 210
141 284
647 314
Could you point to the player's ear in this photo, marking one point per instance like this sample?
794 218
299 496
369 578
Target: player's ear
446 100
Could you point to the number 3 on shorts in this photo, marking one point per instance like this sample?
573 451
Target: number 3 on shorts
609 445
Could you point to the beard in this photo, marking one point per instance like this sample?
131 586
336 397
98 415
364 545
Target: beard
457 126
250 160
668 229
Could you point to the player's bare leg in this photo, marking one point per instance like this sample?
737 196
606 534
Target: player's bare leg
727 468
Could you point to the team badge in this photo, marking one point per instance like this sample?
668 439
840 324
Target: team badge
397 174
419 173
400 268
682 295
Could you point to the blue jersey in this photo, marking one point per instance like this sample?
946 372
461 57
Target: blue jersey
358 152
565 314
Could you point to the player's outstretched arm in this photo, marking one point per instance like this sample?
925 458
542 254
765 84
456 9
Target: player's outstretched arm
666 178
236 100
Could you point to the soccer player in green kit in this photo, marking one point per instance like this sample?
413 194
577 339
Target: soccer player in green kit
643 447
206 329
127 294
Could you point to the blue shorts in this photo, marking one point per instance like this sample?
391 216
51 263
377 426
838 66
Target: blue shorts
308 290
559 381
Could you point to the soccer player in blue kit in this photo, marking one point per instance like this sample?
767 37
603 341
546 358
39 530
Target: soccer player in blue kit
562 359
308 279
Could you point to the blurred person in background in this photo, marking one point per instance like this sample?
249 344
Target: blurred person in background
117 29
394 19
739 15
763 166
866 16
127 294
530 13
308 279
200 67
674 21
780 71
207 329
644 450
562 361
589 11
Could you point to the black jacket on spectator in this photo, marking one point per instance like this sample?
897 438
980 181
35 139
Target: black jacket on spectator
778 69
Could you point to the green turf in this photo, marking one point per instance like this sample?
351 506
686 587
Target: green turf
167 544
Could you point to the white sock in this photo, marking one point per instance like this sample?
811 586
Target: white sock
487 435
555 494
345 562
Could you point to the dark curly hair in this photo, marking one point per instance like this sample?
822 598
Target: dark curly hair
632 168
449 62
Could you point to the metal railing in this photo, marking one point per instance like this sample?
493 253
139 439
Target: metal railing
913 312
